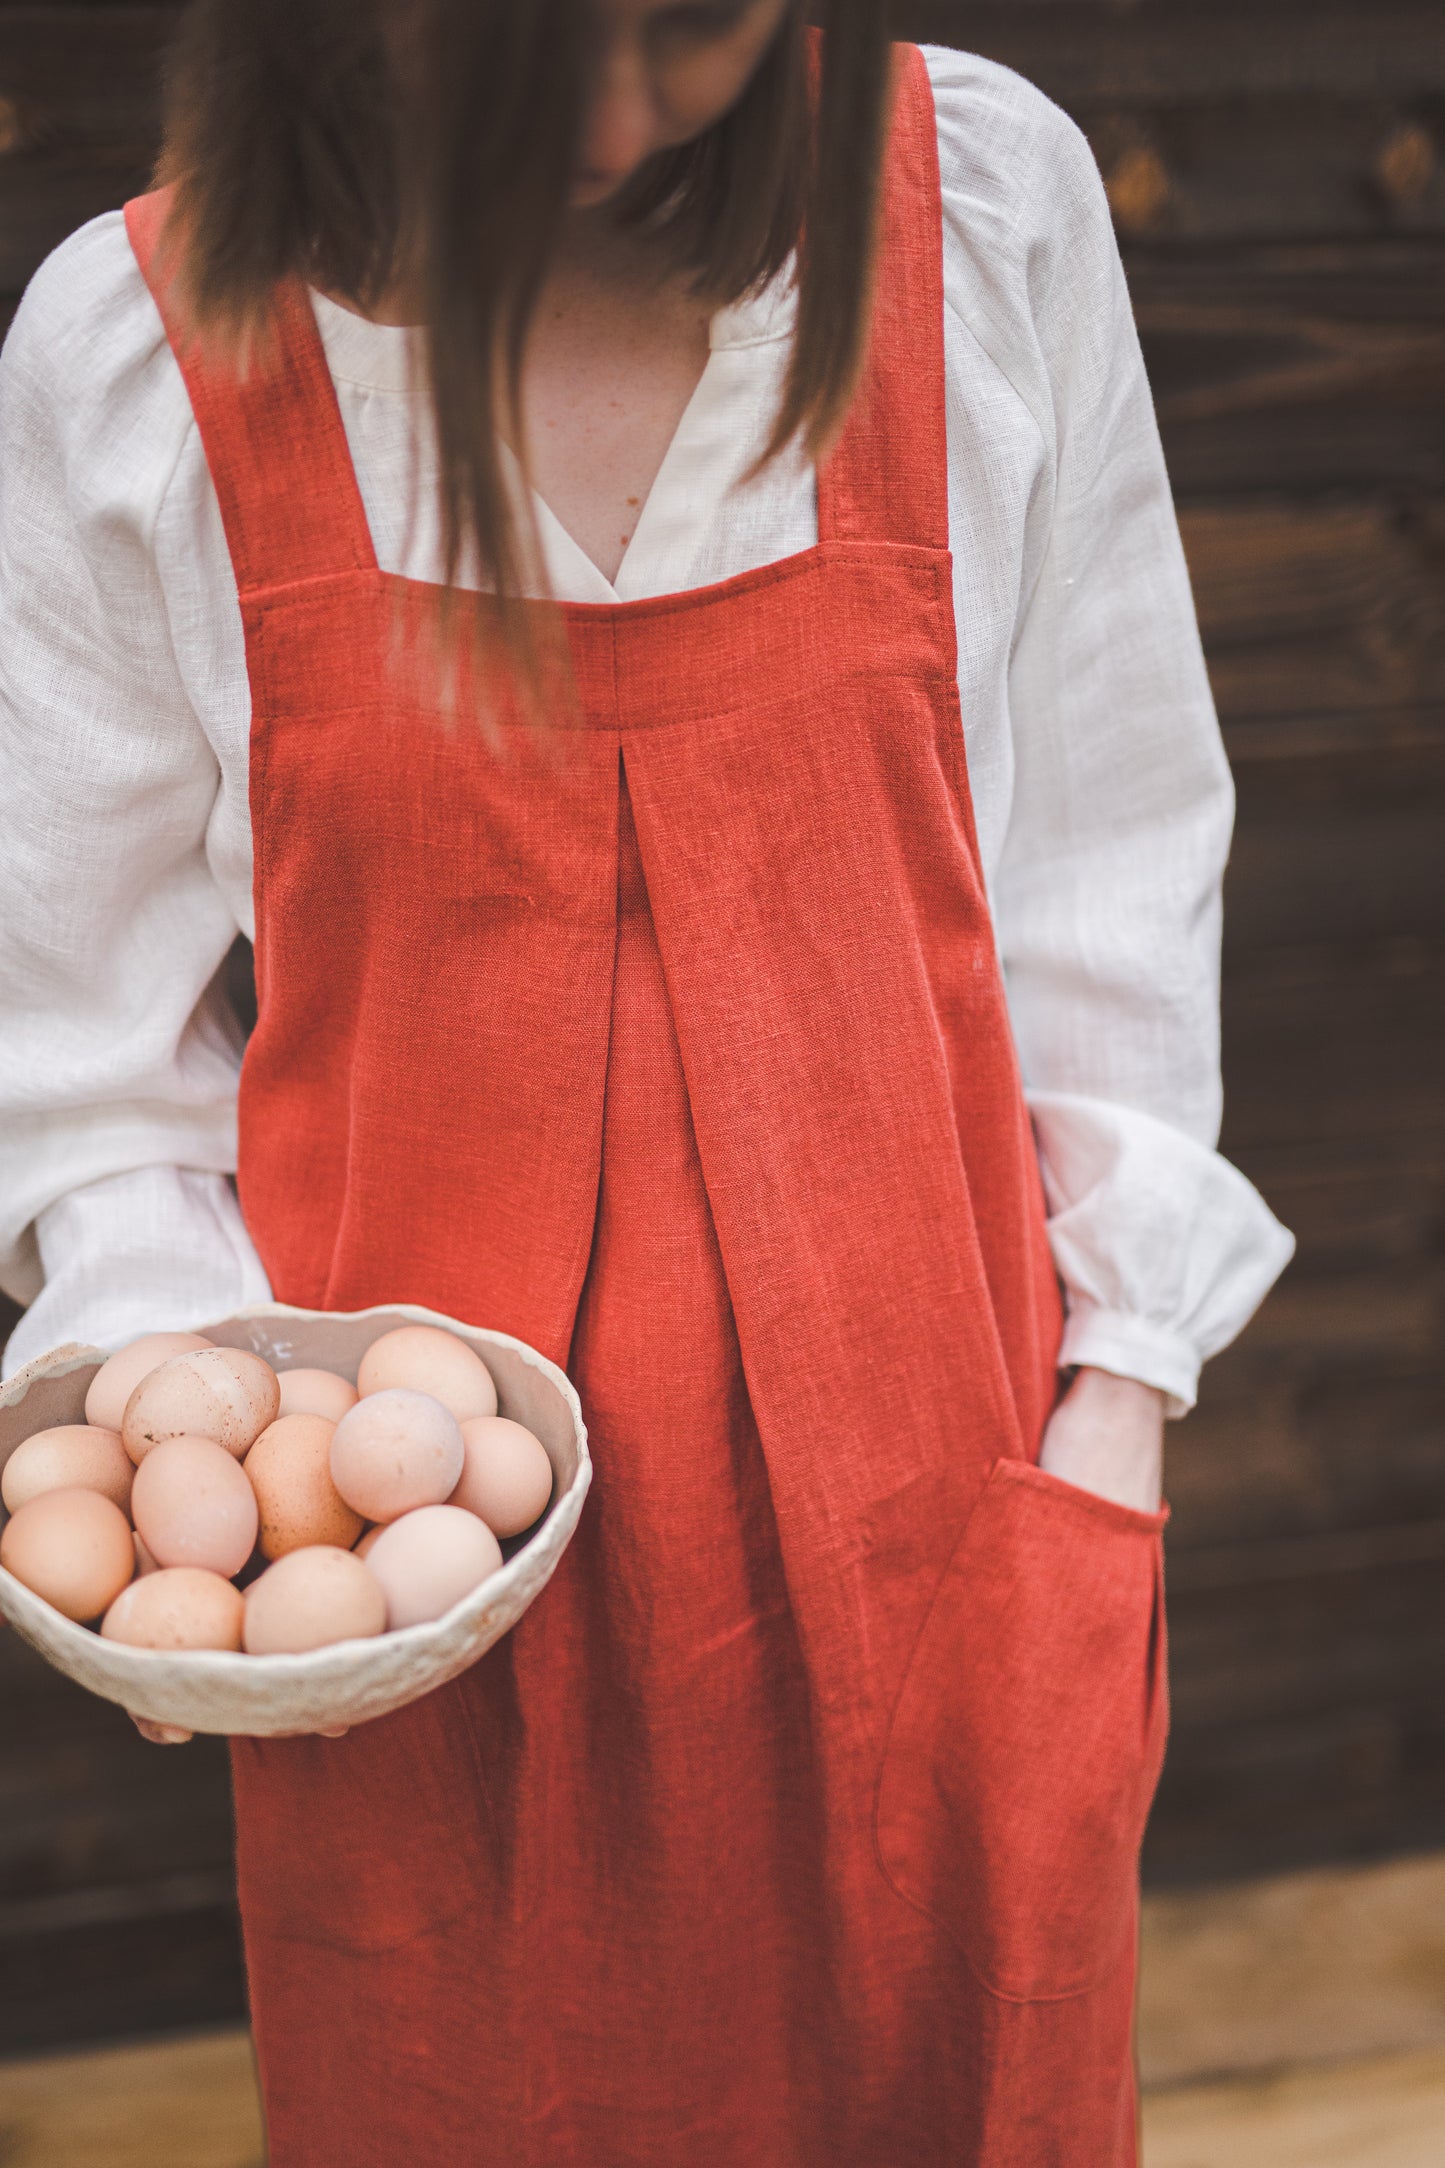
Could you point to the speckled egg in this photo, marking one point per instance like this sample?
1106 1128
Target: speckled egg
289 1469
221 1393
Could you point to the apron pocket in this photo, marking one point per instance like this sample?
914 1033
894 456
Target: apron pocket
1029 1734
365 1842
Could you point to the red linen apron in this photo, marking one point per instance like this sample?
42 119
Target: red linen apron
796 1824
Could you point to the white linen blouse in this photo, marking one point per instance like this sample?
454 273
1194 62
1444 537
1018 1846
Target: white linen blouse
1103 800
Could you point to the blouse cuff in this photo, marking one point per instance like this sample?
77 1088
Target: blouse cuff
1131 1347
155 1249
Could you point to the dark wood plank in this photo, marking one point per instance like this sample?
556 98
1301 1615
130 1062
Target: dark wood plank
1301 369
1308 610
1146 55
1332 1043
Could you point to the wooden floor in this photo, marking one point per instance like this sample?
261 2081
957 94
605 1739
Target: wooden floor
1293 2023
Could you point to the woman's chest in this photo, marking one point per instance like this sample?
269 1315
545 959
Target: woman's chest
705 520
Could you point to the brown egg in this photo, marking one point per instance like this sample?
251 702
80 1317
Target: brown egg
507 1479
72 1456
120 1374
194 1507
394 1451
220 1393
177 1607
316 1392
429 1560
72 1547
289 1469
425 1359
311 1598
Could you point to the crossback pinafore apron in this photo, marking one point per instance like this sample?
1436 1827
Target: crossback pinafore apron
796 1824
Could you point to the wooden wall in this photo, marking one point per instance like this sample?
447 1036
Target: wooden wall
1277 171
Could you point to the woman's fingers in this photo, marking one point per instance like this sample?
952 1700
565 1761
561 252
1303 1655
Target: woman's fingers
159 1734
173 1735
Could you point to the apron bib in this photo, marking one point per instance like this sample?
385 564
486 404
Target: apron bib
796 1824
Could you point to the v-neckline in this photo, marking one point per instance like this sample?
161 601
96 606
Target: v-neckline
564 555
675 518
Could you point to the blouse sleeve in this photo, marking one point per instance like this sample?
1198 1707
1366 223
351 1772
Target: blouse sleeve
118 1052
1107 886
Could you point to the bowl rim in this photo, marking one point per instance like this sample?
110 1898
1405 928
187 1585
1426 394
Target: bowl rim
234 1666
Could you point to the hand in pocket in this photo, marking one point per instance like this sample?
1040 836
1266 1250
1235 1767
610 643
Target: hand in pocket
1107 1436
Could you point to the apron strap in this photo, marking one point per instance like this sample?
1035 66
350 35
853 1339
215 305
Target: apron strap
273 437
886 479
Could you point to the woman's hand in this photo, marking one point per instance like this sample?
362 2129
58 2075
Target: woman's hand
1107 1435
172 1734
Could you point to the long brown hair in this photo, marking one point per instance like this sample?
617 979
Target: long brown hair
338 140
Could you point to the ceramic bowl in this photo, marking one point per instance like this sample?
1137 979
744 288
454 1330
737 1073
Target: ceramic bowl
214 1691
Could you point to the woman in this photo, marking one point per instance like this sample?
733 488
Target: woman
643 994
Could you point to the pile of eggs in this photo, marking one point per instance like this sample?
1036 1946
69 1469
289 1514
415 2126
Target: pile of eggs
343 1511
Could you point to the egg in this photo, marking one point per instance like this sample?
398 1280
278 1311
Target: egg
194 1507
507 1478
177 1607
72 1456
221 1393
394 1451
310 1598
316 1392
289 1469
120 1374
425 1359
428 1560
72 1547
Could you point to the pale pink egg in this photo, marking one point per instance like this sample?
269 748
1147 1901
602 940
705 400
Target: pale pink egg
225 1394
120 1374
194 1507
424 1359
316 1392
71 1456
429 1560
177 1607
507 1479
72 1547
394 1451
311 1598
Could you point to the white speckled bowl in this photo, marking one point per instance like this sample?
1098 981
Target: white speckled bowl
208 1690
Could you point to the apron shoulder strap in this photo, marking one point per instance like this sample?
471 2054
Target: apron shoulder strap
272 434
886 479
